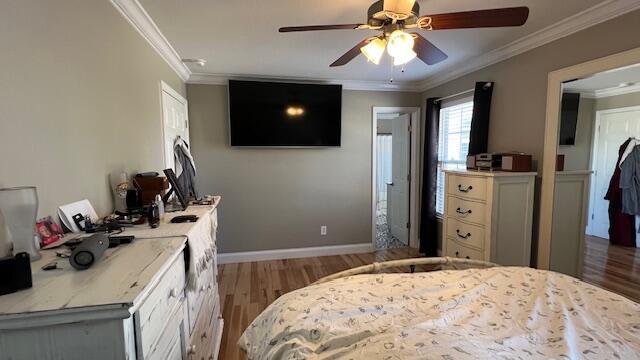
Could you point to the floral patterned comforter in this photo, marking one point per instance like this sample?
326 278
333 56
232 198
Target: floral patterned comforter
505 313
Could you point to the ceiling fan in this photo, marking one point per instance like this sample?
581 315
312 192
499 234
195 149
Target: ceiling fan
393 17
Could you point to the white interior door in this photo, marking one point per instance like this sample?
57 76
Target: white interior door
614 128
175 122
398 199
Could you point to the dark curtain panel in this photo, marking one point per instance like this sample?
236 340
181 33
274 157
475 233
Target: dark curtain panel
428 221
479 138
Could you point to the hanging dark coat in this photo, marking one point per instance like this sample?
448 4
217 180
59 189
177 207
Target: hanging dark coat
621 226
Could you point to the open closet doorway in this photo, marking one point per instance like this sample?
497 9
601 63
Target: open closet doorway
393 177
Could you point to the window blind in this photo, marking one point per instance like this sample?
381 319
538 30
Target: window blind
453 143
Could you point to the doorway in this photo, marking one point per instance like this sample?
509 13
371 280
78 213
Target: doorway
612 128
175 121
395 150
594 234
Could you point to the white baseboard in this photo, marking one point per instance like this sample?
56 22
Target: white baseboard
248 256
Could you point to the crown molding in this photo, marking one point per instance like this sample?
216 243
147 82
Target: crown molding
594 15
603 93
138 17
223 79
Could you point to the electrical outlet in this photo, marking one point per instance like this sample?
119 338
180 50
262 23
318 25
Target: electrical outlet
323 230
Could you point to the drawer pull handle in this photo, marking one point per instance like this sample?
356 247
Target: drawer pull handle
457 253
462 236
468 257
464 190
192 349
459 211
204 335
173 293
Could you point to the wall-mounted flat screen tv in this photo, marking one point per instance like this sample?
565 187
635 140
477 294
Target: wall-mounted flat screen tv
265 114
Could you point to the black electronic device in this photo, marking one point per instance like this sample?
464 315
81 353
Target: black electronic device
175 188
117 240
184 218
89 251
134 199
278 114
153 215
569 118
15 273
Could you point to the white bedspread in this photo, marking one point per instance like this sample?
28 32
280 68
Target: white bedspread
506 313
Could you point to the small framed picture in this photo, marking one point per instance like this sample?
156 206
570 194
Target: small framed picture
48 231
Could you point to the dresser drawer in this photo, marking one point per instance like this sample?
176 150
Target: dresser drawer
467 186
454 249
170 343
195 299
469 235
466 210
152 316
203 338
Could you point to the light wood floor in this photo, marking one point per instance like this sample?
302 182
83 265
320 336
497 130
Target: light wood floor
615 268
248 288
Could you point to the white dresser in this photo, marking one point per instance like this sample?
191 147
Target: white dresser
132 304
488 216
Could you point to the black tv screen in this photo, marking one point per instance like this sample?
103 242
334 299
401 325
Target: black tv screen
569 118
284 114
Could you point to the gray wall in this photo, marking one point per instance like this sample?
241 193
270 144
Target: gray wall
577 157
385 126
79 99
615 102
279 198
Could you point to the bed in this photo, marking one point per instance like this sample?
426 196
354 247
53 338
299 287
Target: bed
487 312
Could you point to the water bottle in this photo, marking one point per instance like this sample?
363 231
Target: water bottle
160 205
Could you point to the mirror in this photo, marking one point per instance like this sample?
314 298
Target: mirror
595 215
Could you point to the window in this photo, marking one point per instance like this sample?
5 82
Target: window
453 142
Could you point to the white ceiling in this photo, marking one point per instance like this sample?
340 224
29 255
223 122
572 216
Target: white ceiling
240 37
628 76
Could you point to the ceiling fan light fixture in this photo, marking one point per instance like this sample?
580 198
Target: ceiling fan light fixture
400 44
404 58
374 50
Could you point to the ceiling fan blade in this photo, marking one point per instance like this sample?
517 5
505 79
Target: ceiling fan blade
351 54
319 27
515 16
427 52
399 6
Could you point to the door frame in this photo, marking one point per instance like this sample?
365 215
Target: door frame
552 118
592 159
166 88
414 154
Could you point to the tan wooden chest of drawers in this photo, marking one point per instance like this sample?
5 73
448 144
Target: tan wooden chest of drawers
488 216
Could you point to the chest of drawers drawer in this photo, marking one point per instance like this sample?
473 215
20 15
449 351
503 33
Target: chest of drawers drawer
467 234
467 186
163 300
169 345
195 298
470 211
203 339
454 249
